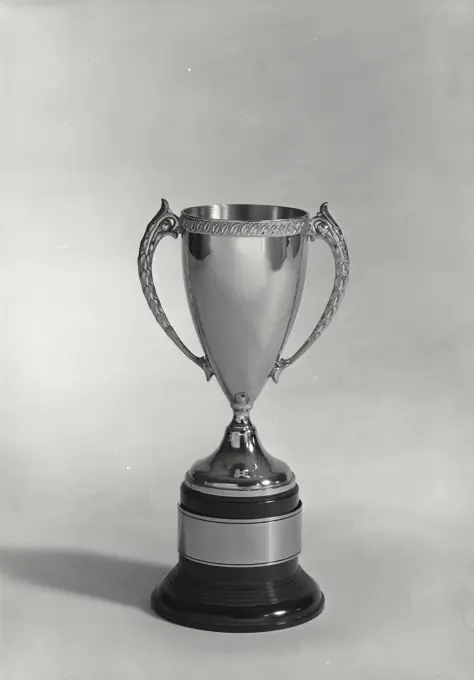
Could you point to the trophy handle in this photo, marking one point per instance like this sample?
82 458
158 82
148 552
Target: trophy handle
323 226
165 223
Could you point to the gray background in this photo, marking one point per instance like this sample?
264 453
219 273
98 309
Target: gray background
107 107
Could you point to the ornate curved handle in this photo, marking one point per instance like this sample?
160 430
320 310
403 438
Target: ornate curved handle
323 226
165 223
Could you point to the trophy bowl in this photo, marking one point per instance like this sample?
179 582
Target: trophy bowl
239 515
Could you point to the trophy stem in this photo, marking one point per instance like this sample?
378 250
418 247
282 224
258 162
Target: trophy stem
241 407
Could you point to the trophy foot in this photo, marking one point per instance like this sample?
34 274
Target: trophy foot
238 600
240 466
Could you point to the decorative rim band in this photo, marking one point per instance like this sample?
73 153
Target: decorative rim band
246 492
289 227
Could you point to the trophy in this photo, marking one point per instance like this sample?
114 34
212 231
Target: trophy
239 515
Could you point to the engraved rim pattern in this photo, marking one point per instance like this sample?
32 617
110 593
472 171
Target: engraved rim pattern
288 227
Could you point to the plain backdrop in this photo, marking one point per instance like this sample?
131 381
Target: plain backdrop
105 108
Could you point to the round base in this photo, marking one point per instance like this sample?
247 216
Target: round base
242 600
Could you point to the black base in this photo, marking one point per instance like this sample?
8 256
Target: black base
237 600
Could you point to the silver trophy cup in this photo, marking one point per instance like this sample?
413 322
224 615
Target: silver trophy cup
239 513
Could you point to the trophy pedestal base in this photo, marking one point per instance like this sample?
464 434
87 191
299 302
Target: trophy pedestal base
238 600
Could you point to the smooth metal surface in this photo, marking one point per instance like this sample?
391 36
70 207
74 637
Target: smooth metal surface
243 294
239 543
244 269
240 466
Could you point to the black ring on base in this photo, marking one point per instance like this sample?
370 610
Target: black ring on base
237 599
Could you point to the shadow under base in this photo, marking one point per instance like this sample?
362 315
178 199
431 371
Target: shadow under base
237 600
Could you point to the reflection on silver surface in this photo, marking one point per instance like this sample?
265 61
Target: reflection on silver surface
240 466
244 294
239 543
244 268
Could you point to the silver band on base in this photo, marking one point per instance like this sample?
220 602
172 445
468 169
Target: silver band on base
239 542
